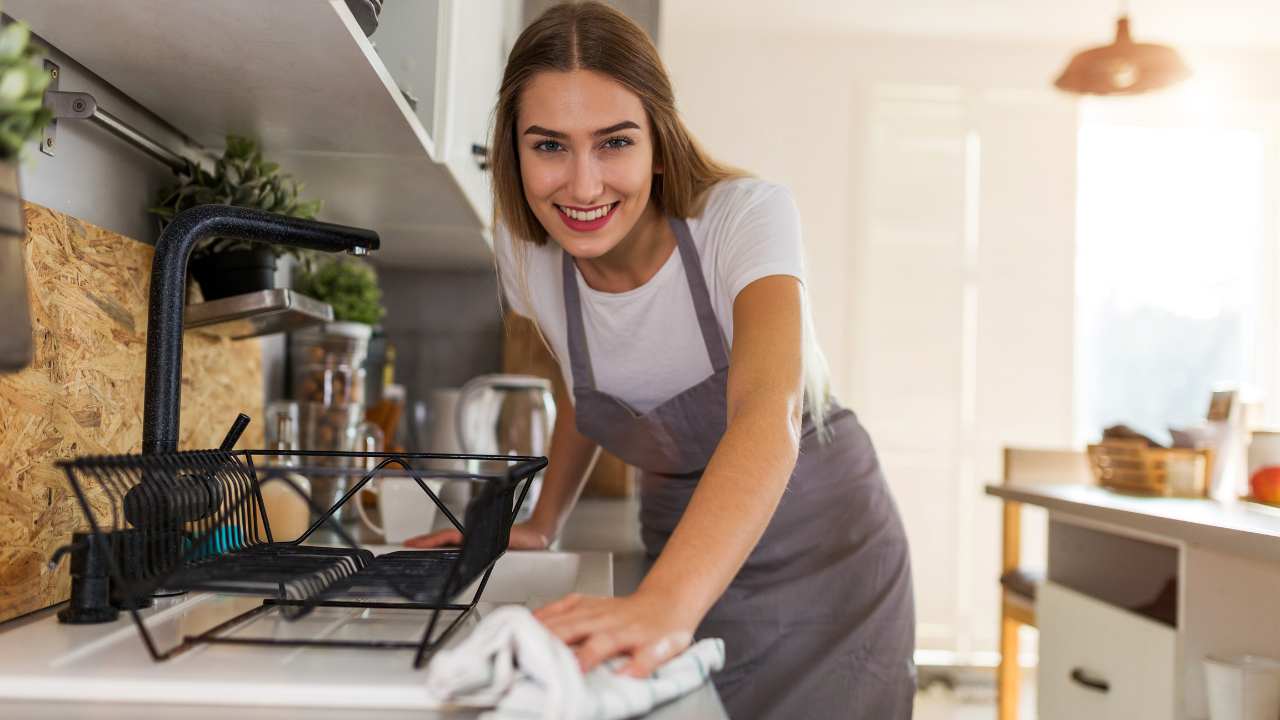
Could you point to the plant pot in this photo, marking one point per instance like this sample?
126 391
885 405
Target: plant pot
15 321
235 272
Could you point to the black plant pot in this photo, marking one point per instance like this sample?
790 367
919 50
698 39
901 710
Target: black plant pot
235 272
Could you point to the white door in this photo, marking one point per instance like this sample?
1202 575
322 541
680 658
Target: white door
962 293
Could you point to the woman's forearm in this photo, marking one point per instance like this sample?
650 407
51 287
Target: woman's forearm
569 461
732 505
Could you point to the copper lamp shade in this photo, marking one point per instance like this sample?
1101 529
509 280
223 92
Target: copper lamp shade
1123 67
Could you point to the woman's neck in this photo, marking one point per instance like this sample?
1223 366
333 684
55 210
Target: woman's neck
634 260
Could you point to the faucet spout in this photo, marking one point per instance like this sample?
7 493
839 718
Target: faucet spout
163 393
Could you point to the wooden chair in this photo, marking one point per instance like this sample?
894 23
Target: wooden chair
1025 466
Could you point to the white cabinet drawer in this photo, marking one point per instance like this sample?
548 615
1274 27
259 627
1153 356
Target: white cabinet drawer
1101 662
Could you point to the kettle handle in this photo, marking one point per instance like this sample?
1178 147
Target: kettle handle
472 386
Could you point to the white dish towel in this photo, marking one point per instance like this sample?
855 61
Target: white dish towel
513 664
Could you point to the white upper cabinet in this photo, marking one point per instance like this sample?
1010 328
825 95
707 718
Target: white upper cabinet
477 56
378 128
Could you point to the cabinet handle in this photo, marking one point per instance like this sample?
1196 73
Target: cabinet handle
1079 676
481 154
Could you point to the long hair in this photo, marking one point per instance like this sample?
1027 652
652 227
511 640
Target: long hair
593 36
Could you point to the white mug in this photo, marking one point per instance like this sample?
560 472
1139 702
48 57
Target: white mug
405 510
1244 687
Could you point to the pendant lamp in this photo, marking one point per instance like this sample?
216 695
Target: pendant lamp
1123 67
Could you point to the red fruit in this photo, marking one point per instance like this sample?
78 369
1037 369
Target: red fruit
1265 484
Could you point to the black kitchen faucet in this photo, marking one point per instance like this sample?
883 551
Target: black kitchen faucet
163 394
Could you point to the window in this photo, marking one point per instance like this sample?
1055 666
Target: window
1172 272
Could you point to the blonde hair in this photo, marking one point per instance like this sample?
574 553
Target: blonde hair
593 36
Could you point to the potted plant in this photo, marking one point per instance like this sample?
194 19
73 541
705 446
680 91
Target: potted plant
22 115
224 266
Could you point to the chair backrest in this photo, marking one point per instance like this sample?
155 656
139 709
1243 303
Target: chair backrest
1031 466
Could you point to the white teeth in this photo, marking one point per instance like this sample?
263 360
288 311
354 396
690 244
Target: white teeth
586 216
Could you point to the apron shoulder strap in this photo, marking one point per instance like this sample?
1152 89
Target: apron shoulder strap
707 323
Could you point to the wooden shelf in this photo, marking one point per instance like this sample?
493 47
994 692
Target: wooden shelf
300 76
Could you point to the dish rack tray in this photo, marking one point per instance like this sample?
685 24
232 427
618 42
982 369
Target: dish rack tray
195 521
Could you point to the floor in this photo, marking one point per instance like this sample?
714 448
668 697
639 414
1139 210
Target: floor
947 694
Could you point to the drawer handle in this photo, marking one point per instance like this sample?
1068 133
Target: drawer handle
1079 675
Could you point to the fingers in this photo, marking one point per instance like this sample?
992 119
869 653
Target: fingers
649 658
436 539
550 610
598 648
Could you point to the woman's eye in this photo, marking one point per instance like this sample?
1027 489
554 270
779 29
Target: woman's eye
548 146
617 143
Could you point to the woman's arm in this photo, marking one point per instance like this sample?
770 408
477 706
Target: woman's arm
730 508
569 462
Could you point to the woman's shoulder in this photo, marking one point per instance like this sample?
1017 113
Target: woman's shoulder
735 199
744 190
504 247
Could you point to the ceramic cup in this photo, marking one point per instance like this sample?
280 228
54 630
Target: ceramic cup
1244 687
404 509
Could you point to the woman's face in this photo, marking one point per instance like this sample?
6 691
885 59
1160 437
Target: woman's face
586 158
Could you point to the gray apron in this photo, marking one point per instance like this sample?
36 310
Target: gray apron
820 620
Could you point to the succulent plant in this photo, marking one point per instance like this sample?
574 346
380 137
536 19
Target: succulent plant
22 84
349 285
240 177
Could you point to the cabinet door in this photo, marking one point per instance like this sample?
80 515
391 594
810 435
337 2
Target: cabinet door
412 40
478 39
1100 662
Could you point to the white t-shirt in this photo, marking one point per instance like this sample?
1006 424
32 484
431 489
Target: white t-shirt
645 344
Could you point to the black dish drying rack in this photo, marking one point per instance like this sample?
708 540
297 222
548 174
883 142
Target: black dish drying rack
195 521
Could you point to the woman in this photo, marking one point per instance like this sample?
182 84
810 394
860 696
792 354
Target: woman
668 287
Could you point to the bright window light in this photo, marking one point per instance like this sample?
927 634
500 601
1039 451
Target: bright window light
1170 266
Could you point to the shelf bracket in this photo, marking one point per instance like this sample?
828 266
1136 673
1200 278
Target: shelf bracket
83 106
50 133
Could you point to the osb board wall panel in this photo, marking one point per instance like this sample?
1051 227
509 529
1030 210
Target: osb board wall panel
83 393
524 353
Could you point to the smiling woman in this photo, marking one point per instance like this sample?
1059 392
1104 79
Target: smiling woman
669 288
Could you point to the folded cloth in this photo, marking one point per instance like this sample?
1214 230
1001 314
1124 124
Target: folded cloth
510 662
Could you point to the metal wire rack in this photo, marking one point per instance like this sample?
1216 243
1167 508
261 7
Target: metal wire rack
196 521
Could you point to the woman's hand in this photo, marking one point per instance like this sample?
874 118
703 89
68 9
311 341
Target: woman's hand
648 628
524 536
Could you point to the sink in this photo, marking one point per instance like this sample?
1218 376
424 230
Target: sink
534 578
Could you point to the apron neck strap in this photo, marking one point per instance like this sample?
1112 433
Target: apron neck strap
579 354
711 335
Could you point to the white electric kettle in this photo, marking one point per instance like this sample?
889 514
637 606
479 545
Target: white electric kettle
507 415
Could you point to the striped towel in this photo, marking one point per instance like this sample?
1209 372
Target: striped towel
512 664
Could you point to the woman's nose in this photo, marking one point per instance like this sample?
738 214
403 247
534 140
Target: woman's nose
586 183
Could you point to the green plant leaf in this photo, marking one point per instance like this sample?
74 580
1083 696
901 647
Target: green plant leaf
13 84
13 41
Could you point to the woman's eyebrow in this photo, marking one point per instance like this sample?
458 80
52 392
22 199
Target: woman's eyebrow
539 130
624 125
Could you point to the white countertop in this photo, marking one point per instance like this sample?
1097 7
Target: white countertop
106 670
1239 528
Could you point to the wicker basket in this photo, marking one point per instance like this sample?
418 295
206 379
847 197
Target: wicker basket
1132 466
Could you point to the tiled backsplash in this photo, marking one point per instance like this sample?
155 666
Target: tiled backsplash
446 326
